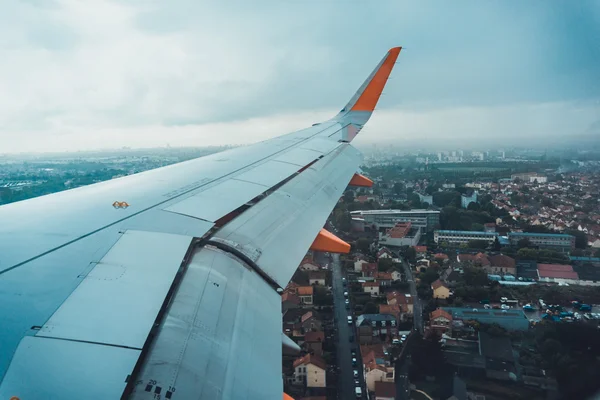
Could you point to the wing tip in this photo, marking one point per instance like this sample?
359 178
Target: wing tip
370 96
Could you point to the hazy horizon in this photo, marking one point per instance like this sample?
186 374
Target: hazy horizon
187 74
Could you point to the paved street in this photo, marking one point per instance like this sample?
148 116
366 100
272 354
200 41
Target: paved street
344 346
418 306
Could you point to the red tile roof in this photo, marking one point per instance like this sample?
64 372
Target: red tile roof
385 389
440 255
291 297
440 313
312 336
306 316
392 309
502 261
311 359
400 230
557 271
305 290
438 284
383 275
421 249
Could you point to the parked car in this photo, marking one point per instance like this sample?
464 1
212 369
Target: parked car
355 372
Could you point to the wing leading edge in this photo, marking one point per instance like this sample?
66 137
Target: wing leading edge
214 329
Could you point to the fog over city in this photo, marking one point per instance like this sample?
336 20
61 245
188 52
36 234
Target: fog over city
102 74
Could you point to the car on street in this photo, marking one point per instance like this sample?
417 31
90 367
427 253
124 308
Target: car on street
349 320
353 352
353 362
345 294
355 372
357 382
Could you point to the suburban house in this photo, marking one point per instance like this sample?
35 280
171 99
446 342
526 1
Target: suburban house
376 368
440 290
384 252
316 278
440 320
441 256
404 301
384 278
313 342
385 391
501 264
289 300
358 263
421 251
310 322
309 266
369 269
310 369
396 275
392 309
371 287
292 287
479 259
306 294
381 324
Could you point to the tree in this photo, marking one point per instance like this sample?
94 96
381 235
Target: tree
322 297
384 264
363 245
429 276
475 276
496 245
370 308
581 240
410 254
523 243
477 244
473 206
348 196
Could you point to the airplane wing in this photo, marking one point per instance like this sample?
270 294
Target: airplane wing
165 284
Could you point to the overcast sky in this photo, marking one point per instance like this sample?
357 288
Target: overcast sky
79 75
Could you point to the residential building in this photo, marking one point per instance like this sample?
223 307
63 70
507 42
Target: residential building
402 234
479 259
427 220
384 252
310 370
384 278
440 320
305 293
358 263
310 322
421 251
502 264
369 270
380 324
313 342
396 275
289 300
459 237
376 367
392 309
513 319
403 300
316 278
440 290
555 241
468 198
371 287
385 391
309 266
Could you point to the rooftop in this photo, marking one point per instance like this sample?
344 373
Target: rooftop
399 230
385 389
513 319
555 235
385 212
557 271
450 232
311 359
305 290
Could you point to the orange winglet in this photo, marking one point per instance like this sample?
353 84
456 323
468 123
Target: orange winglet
370 96
361 180
328 242
287 397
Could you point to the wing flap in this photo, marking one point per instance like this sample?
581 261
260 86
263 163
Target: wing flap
53 369
119 300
